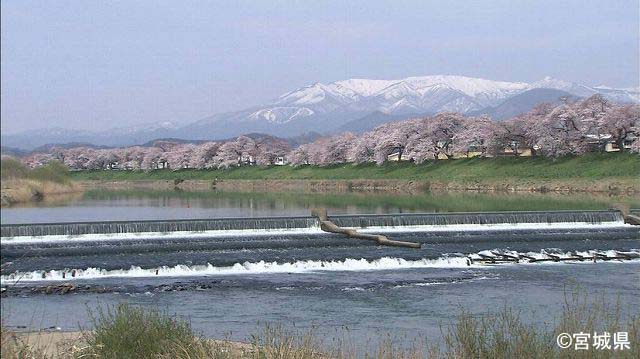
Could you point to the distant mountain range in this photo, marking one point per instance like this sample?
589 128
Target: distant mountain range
351 105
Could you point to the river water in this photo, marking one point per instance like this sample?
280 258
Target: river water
229 286
105 205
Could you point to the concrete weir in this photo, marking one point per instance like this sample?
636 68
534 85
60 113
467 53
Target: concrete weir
328 226
451 221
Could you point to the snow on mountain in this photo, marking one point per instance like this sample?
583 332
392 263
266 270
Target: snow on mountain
281 114
319 105
481 89
328 107
570 87
357 89
145 127
614 94
363 87
426 94
423 94
630 94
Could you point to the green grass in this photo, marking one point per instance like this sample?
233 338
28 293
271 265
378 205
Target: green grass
126 331
590 167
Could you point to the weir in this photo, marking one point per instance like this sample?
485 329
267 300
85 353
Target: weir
284 223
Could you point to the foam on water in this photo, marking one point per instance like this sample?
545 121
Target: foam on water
262 267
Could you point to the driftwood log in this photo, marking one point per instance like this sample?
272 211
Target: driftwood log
328 226
632 219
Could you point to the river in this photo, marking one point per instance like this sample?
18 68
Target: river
230 286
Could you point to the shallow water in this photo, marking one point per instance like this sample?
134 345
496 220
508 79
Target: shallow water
410 303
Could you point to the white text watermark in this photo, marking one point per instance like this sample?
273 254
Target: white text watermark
599 341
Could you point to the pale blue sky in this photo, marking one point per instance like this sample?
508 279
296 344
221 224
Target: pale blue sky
99 64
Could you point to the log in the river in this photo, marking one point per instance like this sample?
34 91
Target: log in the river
328 226
632 219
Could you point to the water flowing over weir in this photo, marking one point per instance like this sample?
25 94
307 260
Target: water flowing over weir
292 223
250 246
445 219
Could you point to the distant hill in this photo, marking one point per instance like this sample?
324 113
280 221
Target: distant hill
17 152
153 142
12 151
306 137
49 146
524 102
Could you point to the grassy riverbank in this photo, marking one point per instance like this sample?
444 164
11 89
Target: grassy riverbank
21 184
591 166
609 172
133 332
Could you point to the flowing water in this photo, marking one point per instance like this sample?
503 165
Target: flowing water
228 275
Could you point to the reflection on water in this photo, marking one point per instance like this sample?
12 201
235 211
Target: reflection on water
102 205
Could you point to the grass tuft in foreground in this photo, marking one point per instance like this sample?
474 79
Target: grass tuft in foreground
126 331
507 335
14 348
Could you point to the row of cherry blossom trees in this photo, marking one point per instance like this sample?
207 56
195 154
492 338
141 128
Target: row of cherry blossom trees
571 128
548 130
262 151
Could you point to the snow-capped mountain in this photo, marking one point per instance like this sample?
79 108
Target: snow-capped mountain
618 95
349 103
352 103
426 94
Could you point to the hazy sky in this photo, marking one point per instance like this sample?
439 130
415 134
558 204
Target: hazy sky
99 64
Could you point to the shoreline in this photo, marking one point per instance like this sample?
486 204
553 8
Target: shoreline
20 191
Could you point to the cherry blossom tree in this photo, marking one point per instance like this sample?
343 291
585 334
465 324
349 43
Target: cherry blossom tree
132 157
230 154
180 156
268 149
621 123
152 158
560 132
317 152
513 134
477 135
393 138
434 136
38 159
204 155
235 153
337 149
299 156
363 149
